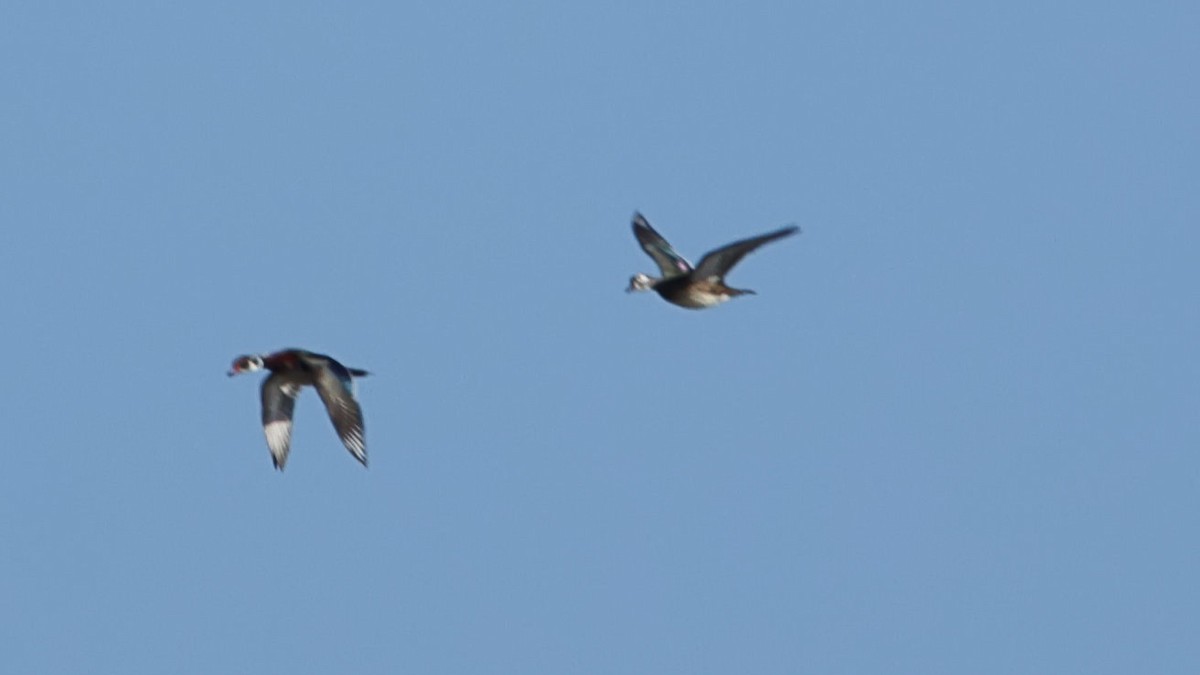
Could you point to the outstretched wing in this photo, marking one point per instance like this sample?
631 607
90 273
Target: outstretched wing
278 401
669 262
335 386
717 263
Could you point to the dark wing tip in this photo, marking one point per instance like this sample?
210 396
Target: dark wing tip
640 223
775 235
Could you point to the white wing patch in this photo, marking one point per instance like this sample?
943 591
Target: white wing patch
356 445
279 439
699 299
353 439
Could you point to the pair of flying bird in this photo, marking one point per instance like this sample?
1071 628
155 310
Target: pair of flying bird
694 287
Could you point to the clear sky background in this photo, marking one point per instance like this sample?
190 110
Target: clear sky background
955 432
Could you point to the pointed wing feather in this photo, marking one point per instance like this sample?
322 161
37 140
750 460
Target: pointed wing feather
717 263
278 402
670 263
335 386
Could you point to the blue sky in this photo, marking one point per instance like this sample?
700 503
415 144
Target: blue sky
956 431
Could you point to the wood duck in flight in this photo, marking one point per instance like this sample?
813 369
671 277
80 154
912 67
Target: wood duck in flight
292 370
696 287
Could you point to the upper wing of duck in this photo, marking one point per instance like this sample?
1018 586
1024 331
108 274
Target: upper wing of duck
669 262
717 263
278 402
335 386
